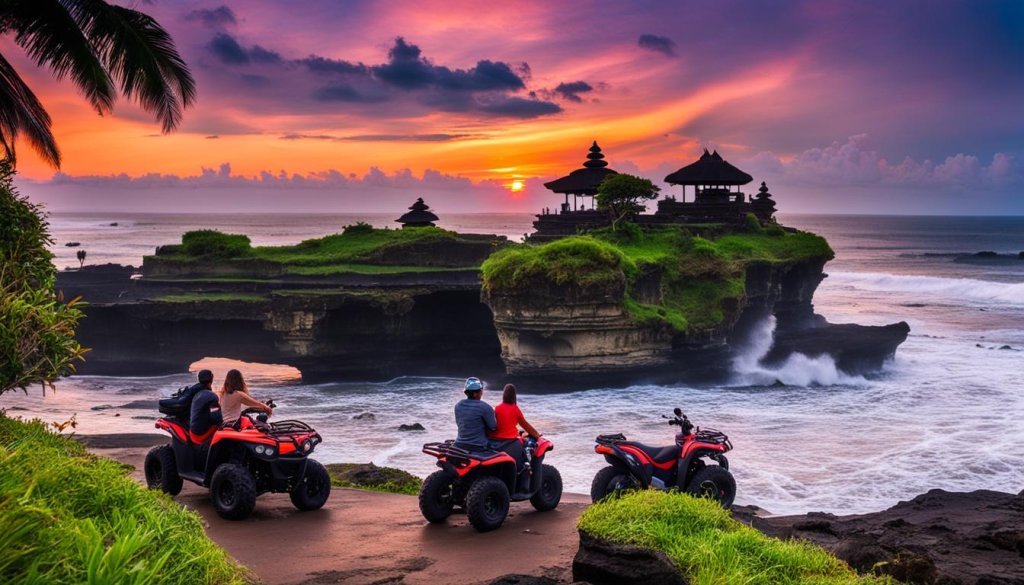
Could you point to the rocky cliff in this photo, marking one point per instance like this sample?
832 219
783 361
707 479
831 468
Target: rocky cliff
676 316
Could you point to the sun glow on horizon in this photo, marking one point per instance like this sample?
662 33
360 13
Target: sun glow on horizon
516 186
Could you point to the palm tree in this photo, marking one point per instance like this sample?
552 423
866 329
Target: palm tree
104 49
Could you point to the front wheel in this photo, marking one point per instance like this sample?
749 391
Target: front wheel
162 470
437 496
610 481
312 491
550 492
487 503
714 482
233 491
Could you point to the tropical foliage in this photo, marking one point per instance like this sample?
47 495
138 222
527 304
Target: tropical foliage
37 342
71 517
105 50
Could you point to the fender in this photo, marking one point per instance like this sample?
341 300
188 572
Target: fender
696 452
641 470
543 446
176 431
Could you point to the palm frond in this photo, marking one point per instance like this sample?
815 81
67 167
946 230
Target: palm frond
51 37
140 55
20 111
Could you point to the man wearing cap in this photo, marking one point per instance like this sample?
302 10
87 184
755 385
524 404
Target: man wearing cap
474 418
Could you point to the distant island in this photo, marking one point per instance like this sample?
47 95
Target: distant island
664 296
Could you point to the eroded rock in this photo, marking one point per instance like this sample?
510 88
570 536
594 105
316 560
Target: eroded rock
604 563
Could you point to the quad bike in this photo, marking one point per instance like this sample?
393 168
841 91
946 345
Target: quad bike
239 462
483 483
696 464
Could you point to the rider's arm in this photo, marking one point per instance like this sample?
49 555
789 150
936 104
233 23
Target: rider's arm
527 426
252 402
489 421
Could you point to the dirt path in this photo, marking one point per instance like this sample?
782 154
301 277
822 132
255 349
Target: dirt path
367 538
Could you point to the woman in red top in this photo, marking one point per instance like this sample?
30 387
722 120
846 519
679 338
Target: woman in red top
506 436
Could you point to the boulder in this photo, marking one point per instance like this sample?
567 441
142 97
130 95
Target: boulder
606 563
938 537
412 427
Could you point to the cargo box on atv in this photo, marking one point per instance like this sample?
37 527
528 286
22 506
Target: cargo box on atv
179 403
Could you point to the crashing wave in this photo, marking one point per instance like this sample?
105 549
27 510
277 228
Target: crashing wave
797 370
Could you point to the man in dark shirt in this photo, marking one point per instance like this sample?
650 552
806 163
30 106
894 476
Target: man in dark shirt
205 411
474 418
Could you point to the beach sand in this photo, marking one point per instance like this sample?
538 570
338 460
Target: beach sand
363 537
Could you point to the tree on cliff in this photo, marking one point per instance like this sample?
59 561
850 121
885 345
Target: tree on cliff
623 196
107 51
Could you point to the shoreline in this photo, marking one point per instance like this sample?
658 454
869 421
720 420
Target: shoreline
367 537
364 537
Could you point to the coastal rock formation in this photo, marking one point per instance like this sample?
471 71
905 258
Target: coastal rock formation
605 563
557 330
940 537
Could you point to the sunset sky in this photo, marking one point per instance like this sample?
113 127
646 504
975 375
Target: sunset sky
860 106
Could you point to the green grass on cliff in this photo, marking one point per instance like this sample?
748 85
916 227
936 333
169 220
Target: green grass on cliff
709 547
351 251
71 517
699 277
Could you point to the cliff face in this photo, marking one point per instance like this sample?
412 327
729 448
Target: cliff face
368 333
546 328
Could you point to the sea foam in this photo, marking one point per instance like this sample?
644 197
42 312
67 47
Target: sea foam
797 370
959 289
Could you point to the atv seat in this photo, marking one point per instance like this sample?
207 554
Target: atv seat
658 454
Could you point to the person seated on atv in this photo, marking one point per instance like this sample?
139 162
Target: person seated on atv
474 418
185 395
205 410
509 417
233 395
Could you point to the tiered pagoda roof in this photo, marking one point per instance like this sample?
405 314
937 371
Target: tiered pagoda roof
419 215
710 169
584 181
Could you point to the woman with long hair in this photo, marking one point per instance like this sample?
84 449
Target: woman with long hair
506 436
233 395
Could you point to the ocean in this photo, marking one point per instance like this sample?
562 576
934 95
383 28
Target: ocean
944 414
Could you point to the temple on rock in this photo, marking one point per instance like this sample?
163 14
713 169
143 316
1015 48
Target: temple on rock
419 215
716 198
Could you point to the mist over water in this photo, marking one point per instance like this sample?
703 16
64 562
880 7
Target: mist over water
944 414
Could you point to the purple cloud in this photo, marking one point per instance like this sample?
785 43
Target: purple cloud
663 45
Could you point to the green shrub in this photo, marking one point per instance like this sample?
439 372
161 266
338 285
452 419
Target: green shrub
581 260
359 227
71 517
377 479
214 244
37 326
709 547
751 224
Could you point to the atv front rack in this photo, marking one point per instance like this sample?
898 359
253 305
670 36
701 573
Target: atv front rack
289 427
712 436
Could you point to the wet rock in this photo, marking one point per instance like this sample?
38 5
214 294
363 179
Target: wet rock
986 254
72 244
938 537
365 416
412 427
102 407
604 563
1006 347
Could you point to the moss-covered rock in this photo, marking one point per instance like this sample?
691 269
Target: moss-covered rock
371 477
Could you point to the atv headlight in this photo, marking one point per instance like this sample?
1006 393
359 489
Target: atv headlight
306 445
259 449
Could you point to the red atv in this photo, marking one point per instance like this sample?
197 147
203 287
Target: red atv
696 464
239 462
483 483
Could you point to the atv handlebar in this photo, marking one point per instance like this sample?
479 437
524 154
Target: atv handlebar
680 420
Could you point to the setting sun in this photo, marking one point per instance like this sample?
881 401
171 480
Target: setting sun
517 186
